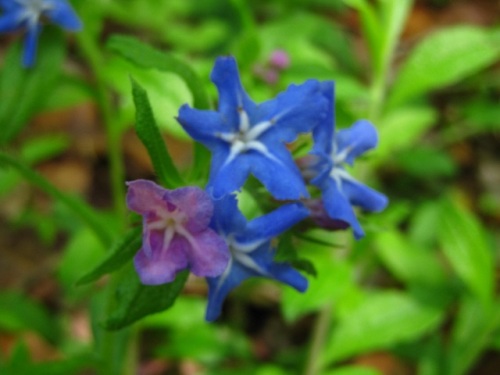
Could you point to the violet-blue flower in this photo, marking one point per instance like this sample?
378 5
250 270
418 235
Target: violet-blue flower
176 233
245 137
251 250
28 15
333 151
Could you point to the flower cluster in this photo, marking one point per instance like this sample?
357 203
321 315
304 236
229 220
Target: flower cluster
203 230
29 15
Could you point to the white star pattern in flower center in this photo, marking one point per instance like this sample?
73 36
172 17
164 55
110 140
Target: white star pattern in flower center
32 10
239 253
338 173
171 223
247 137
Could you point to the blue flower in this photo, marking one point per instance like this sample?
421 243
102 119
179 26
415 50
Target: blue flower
333 151
176 233
245 137
251 251
29 14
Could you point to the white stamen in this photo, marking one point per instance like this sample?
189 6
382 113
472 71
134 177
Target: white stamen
244 120
249 263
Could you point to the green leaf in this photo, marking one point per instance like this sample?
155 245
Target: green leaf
471 335
135 300
443 58
406 261
74 261
20 363
44 147
382 320
372 28
401 128
166 91
427 163
144 56
393 14
464 244
23 90
150 136
19 313
120 253
333 283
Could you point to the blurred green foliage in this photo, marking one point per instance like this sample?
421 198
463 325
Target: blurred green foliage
421 286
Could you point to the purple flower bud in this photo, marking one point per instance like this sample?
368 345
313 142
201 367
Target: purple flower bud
320 217
279 59
175 233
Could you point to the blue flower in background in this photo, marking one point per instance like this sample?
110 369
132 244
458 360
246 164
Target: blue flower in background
245 137
333 151
28 15
250 247
176 233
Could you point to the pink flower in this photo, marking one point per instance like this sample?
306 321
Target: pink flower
176 235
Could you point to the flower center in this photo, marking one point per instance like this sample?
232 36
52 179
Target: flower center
247 137
240 254
33 9
338 173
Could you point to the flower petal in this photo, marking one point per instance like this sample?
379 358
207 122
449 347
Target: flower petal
229 177
63 15
227 218
30 45
273 224
8 5
218 291
195 203
145 196
323 133
279 174
203 125
360 137
9 22
338 207
226 77
163 264
299 109
364 196
219 287
208 255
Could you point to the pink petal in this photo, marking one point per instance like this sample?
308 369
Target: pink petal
209 254
145 196
162 266
196 204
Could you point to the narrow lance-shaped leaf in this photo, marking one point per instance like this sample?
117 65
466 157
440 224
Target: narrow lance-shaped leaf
473 330
149 134
121 253
463 241
381 321
443 58
147 57
136 300
23 91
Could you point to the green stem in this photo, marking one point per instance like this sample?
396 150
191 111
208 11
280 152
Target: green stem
393 15
91 52
113 347
320 330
